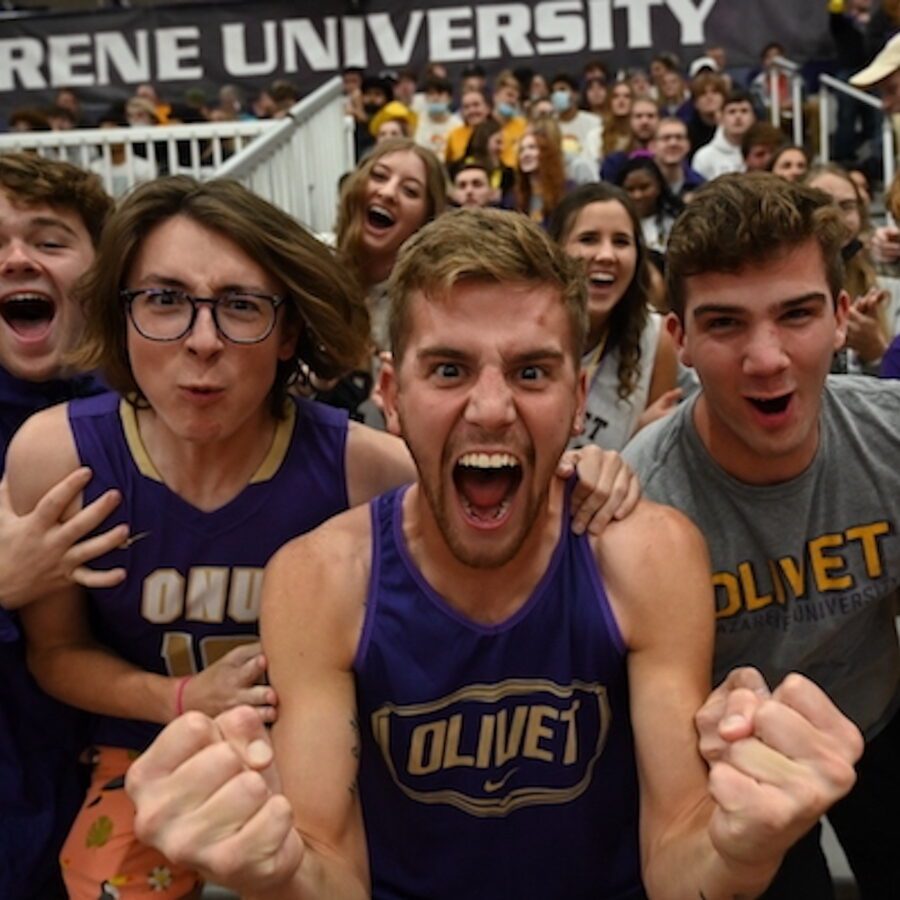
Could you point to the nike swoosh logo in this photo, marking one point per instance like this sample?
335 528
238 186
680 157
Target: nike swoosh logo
133 539
490 787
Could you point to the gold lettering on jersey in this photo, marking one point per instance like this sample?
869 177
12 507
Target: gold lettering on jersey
212 594
206 593
826 565
531 741
163 596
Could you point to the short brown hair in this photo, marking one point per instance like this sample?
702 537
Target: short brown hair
741 219
705 81
335 324
31 180
488 245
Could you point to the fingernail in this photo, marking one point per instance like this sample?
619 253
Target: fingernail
259 753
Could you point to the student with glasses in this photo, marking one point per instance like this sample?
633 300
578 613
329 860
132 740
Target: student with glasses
201 302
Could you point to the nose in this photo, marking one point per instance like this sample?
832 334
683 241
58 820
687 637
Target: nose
388 188
204 339
603 250
490 405
16 258
764 353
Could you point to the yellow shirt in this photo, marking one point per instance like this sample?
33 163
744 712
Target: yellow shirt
512 132
457 141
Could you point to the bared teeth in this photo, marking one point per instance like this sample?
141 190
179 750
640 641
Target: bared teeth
488 461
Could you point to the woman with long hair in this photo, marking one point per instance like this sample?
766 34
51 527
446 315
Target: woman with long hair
540 175
616 130
629 356
486 144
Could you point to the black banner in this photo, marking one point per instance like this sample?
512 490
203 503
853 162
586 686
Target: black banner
104 54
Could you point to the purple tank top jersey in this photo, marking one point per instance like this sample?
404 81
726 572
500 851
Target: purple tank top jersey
496 761
193 586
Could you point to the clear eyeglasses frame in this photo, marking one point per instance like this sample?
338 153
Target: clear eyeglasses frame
168 314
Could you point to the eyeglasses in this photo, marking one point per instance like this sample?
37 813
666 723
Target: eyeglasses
165 314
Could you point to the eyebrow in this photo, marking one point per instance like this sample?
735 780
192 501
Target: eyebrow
539 354
53 222
713 308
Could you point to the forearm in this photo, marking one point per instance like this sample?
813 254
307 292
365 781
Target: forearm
688 866
319 876
91 677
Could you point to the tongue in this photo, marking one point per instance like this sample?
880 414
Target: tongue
484 489
29 327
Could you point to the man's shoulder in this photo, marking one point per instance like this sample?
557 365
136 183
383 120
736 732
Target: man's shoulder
656 445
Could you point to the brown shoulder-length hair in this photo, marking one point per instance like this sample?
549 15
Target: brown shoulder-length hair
352 205
551 169
327 309
629 316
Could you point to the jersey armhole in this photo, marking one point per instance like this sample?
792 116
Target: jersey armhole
606 610
371 590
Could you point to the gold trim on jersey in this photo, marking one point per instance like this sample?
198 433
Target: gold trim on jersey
284 429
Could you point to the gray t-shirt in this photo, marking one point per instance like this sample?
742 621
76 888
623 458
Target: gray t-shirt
805 572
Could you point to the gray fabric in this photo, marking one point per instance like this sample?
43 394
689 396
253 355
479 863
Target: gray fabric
806 572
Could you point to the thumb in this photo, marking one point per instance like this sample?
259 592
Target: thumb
244 730
242 653
671 397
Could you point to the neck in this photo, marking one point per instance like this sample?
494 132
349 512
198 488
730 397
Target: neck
375 269
488 595
207 474
672 172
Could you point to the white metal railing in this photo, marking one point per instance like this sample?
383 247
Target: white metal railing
828 88
294 162
298 164
782 66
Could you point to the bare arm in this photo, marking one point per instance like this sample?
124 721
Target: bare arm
722 834
211 794
63 655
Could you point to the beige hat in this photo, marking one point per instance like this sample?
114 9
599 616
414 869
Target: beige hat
887 62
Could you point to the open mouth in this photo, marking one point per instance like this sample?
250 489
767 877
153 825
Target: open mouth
378 217
486 484
771 406
601 279
28 315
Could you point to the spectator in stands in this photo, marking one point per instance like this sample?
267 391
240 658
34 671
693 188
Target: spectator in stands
375 93
351 80
615 135
790 162
233 102
847 22
868 330
140 113
670 150
708 94
596 88
160 107
761 83
122 170
723 153
28 119
263 105
759 144
883 73
575 124
406 87
475 109
540 173
538 89
486 144
659 65
656 206
628 356
507 113
641 85
474 78
284 95
67 98
472 183
60 118
643 122
393 191
393 120
674 96
437 121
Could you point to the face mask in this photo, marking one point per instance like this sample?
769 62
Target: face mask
561 100
438 108
371 108
507 110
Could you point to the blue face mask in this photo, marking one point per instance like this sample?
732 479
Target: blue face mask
561 100
507 110
438 108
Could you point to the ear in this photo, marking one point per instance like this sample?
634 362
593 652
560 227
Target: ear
676 330
841 317
389 389
287 341
581 389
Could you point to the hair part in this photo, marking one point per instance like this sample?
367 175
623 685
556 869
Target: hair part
451 250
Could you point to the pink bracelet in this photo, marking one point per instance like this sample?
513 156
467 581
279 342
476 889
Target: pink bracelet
179 694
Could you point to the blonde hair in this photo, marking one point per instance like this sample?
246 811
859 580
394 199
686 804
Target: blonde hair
483 245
